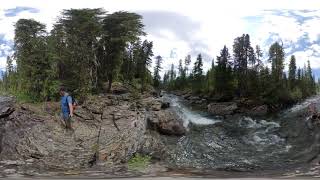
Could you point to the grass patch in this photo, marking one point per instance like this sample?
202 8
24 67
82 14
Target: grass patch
139 162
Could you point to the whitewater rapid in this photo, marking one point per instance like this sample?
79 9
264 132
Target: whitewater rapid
239 142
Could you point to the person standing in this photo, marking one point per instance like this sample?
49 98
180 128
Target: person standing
66 107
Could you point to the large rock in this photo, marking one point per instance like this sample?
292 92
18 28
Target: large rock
6 106
119 88
107 129
225 108
166 122
154 104
165 105
259 110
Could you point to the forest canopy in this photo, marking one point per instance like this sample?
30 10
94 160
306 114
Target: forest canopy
89 49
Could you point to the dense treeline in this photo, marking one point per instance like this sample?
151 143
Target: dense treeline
85 49
242 74
88 49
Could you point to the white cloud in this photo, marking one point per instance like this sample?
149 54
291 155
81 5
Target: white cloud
310 27
220 21
2 63
303 56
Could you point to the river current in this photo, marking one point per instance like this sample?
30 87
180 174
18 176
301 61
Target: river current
241 143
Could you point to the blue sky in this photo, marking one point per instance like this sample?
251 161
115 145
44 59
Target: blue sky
180 27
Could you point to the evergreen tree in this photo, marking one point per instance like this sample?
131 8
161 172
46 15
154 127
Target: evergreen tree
259 55
197 68
172 73
276 57
243 54
210 78
166 79
157 69
9 67
172 77
187 62
119 29
32 57
76 40
197 74
181 69
144 62
223 76
292 72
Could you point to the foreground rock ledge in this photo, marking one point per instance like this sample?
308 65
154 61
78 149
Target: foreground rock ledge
107 130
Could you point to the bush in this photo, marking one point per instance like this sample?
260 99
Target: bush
139 162
296 94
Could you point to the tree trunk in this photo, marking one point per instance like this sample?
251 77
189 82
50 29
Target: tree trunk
110 78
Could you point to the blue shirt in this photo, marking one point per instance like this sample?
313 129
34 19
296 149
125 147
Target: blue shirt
65 101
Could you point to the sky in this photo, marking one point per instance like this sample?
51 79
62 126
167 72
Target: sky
181 27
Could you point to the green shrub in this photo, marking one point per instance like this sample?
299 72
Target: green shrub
296 94
139 162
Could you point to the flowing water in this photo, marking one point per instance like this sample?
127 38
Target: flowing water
241 143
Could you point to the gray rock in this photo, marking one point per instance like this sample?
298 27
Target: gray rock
6 107
259 110
9 171
119 88
119 124
152 104
165 105
12 162
166 122
225 108
187 96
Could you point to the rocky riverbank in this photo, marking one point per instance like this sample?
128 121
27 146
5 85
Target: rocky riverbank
108 130
219 107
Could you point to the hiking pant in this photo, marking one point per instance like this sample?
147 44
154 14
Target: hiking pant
67 121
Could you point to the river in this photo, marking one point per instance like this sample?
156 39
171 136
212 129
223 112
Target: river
242 143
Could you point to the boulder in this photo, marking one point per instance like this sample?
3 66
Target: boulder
194 98
225 108
186 96
6 106
259 110
166 122
165 105
154 104
119 88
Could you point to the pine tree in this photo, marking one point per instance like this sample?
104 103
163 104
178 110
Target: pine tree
172 77
292 72
32 57
166 79
157 69
181 69
276 57
197 74
75 38
197 69
9 67
210 78
187 62
172 73
223 74
259 55
119 29
243 54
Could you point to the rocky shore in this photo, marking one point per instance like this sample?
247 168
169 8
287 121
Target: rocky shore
222 108
108 130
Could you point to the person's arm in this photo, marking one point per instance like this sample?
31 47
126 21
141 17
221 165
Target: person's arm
70 106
